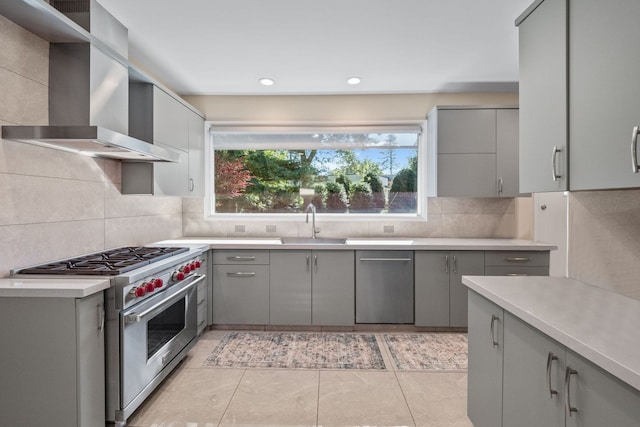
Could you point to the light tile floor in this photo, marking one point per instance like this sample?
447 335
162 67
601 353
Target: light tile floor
197 396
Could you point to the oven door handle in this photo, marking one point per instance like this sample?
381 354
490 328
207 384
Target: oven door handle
137 317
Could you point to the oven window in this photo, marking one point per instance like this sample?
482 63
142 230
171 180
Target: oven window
166 325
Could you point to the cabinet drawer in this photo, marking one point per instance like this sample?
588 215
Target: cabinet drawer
260 257
516 271
516 258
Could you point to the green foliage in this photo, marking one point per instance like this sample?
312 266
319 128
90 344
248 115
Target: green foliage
319 198
336 197
360 199
345 181
403 196
413 163
377 189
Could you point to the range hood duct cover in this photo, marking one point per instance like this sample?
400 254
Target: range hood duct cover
89 99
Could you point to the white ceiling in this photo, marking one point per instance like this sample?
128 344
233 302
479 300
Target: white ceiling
312 46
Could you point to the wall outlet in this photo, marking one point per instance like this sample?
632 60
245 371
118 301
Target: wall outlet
270 228
388 229
239 228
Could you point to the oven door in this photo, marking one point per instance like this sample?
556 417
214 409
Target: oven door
153 333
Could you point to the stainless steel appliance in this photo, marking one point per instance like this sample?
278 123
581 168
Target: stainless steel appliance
384 287
151 315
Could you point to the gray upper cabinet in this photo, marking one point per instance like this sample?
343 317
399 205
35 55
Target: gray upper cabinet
472 152
578 95
196 155
543 98
604 93
159 118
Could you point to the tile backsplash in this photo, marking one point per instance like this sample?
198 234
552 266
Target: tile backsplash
447 217
56 204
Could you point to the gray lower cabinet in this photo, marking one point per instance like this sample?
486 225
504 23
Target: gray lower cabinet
533 377
312 287
486 343
240 287
516 263
53 362
432 288
519 376
469 263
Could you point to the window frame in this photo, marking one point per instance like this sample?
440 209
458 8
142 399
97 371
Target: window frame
421 209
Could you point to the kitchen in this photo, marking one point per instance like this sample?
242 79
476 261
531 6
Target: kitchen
58 205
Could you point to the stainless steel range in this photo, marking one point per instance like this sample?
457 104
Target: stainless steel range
151 315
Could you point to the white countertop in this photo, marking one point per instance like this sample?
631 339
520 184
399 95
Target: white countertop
51 288
397 243
599 325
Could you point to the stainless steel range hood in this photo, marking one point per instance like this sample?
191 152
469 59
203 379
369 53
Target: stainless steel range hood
89 94
93 141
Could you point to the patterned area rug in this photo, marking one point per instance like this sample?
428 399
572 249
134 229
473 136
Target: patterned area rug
435 351
297 350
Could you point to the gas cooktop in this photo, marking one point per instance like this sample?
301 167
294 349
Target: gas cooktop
108 263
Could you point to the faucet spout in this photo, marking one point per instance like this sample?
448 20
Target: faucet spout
312 208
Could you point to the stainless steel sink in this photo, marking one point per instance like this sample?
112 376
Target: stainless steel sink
309 240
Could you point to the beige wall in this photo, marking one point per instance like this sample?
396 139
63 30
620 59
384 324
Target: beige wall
604 239
57 204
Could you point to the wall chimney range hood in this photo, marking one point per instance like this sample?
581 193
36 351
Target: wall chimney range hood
88 86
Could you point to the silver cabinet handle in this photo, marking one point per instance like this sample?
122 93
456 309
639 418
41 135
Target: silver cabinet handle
307 263
550 358
201 301
200 323
567 389
634 149
191 185
315 263
100 317
455 265
241 258
556 150
517 259
500 184
385 259
446 263
517 274
242 274
494 343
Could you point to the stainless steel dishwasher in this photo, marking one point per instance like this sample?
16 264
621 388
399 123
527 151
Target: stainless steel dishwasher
384 287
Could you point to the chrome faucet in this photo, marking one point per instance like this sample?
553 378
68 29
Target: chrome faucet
312 208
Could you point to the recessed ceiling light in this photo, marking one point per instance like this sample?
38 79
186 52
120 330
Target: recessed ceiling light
354 80
265 81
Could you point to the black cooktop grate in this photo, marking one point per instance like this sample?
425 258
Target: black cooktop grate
108 263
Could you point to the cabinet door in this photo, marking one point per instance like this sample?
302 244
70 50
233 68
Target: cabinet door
333 288
467 175
196 155
484 391
533 393
290 288
432 288
170 122
543 97
466 131
600 398
171 178
241 294
90 359
507 152
604 105
470 263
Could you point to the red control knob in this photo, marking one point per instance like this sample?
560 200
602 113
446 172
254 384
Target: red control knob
158 283
178 275
139 292
193 266
186 269
198 264
149 287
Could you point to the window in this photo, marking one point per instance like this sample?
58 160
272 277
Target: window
346 171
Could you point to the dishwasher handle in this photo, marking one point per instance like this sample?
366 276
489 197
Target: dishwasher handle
385 259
